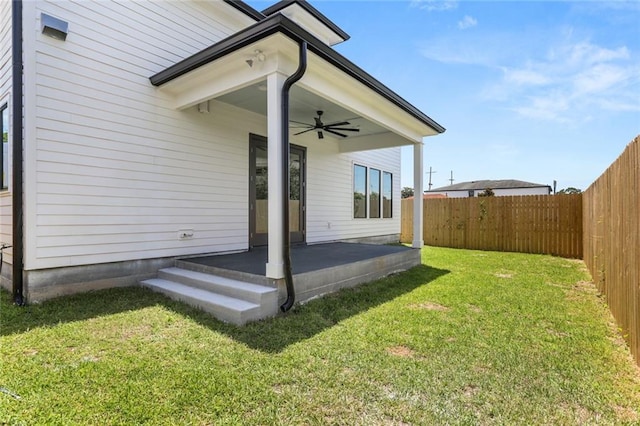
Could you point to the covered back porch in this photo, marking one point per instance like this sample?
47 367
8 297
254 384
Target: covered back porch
283 68
235 288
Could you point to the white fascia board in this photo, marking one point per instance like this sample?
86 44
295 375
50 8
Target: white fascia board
232 72
310 23
380 140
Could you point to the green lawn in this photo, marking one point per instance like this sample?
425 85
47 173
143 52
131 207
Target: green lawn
468 338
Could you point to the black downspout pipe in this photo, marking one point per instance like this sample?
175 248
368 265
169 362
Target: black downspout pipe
17 126
302 67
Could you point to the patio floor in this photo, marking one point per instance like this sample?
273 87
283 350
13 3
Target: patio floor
304 258
234 288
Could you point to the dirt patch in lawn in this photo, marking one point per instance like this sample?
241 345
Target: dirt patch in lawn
429 306
401 351
499 275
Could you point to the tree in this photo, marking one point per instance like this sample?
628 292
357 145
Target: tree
570 190
487 193
407 192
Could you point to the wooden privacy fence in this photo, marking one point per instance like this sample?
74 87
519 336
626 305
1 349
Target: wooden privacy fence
612 240
529 224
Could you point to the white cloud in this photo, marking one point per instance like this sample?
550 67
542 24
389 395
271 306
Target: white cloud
467 22
522 77
547 75
585 53
435 5
571 82
488 49
551 107
599 78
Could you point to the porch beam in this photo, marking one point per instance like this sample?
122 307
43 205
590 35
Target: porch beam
275 131
418 176
381 140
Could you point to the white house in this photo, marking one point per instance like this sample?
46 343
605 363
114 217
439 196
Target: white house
499 187
136 132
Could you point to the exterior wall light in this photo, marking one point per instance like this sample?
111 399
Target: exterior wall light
258 56
54 27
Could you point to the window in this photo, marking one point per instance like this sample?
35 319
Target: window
4 153
387 191
359 192
372 193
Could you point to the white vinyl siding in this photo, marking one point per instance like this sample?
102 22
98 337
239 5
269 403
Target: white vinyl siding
330 191
120 172
116 172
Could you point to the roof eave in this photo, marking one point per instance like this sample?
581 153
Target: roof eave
280 23
246 9
310 9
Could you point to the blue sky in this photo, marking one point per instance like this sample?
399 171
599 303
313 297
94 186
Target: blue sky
535 91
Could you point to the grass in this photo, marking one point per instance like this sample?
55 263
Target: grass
472 338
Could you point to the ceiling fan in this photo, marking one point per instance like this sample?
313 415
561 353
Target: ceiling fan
334 128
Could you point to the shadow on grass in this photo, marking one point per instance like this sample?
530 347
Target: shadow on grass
271 335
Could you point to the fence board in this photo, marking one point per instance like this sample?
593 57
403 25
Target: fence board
529 224
611 221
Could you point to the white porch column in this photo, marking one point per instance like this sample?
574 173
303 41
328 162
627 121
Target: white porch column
275 262
418 175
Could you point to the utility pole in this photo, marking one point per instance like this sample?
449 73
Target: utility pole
430 173
451 180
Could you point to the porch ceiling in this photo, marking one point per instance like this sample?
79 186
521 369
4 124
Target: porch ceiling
235 71
303 107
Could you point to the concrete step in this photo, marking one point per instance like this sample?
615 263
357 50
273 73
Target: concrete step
225 286
225 308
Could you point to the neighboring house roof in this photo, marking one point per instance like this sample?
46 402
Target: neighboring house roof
278 23
493 184
428 196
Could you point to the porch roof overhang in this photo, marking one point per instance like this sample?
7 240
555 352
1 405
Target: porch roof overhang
221 72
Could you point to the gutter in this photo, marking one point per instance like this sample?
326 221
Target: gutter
17 140
302 67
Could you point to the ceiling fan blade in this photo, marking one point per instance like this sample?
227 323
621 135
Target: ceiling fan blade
341 123
320 135
342 129
304 131
335 133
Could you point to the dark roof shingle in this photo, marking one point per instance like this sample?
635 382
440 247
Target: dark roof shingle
493 184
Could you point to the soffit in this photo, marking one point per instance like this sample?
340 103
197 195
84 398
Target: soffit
331 83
